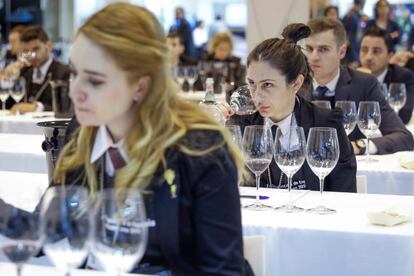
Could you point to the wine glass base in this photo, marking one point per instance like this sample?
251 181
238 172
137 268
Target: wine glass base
289 208
321 210
369 160
258 207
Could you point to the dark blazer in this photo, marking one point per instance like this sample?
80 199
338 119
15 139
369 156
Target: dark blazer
198 231
357 86
396 73
343 176
56 71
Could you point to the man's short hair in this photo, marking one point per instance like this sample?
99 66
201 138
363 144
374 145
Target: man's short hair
322 24
375 31
33 33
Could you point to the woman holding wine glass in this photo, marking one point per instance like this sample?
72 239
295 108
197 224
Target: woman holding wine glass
136 133
276 70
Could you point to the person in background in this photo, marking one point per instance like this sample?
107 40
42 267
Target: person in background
14 43
331 12
170 149
220 48
382 12
325 48
218 26
38 71
276 70
352 23
200 35
184 30
375 52
177 51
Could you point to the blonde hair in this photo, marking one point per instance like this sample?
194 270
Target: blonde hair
219 38
132 36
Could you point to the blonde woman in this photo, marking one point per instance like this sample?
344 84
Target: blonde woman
220 48
124 98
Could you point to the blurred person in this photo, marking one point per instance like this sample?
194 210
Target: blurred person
220 48
325 48
14 43
382 19
184 30
331 12
177 51
375 53
183 162
352 23
276 70
200 35
38 71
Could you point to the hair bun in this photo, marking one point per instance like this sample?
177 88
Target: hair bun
295 32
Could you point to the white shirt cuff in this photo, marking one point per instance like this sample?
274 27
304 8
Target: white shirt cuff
40 107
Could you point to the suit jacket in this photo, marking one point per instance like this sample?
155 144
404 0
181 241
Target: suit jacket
357 86
56 71
396 73
343 176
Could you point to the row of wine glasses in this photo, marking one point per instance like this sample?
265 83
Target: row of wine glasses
289 151
183 73
113 228
14 88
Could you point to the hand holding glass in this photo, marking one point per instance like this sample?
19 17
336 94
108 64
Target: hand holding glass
241 101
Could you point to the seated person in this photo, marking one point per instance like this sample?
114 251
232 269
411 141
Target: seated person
177 49
375 52
276 70
325 48
14 44
124 99
39 70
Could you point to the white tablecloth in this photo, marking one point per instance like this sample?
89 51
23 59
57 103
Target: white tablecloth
340 244
24 124
22 153
387 176
198 96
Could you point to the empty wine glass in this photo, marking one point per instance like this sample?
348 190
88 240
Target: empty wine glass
369 120
322 104
349 115
241 101
191 74
66 223
6 85
322 154
20 237
18 90
258 150
397 96
290 154
235 134
121 231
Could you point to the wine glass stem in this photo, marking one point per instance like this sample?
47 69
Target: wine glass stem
289 188
257 189
321 181
368 158
18 269
3 105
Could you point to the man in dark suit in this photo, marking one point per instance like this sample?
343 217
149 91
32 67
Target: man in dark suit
374 55
325 48
39 70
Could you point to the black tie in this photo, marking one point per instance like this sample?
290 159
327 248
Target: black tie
320 94
274 129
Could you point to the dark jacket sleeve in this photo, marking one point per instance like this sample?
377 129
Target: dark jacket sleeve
218 248
406 111
395 136
343 176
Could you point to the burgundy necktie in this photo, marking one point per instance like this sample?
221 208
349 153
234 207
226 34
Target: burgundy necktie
116 158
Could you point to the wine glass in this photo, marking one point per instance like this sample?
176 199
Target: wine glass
397 96
66 223
384 90
349 115
181 75
121 231
369 120
20 238
241 101
235 134
322 154
27 56
191 74
18 90
322 104
6 85
258 149
290 153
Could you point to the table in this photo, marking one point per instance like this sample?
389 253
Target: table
340 244
24 124
198 96
22 153
387 176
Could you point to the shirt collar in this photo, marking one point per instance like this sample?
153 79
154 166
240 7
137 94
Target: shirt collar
331 85
43 69
103 142
284 125
381 77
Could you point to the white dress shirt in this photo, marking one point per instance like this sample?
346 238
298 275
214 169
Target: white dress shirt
331 85
103 141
